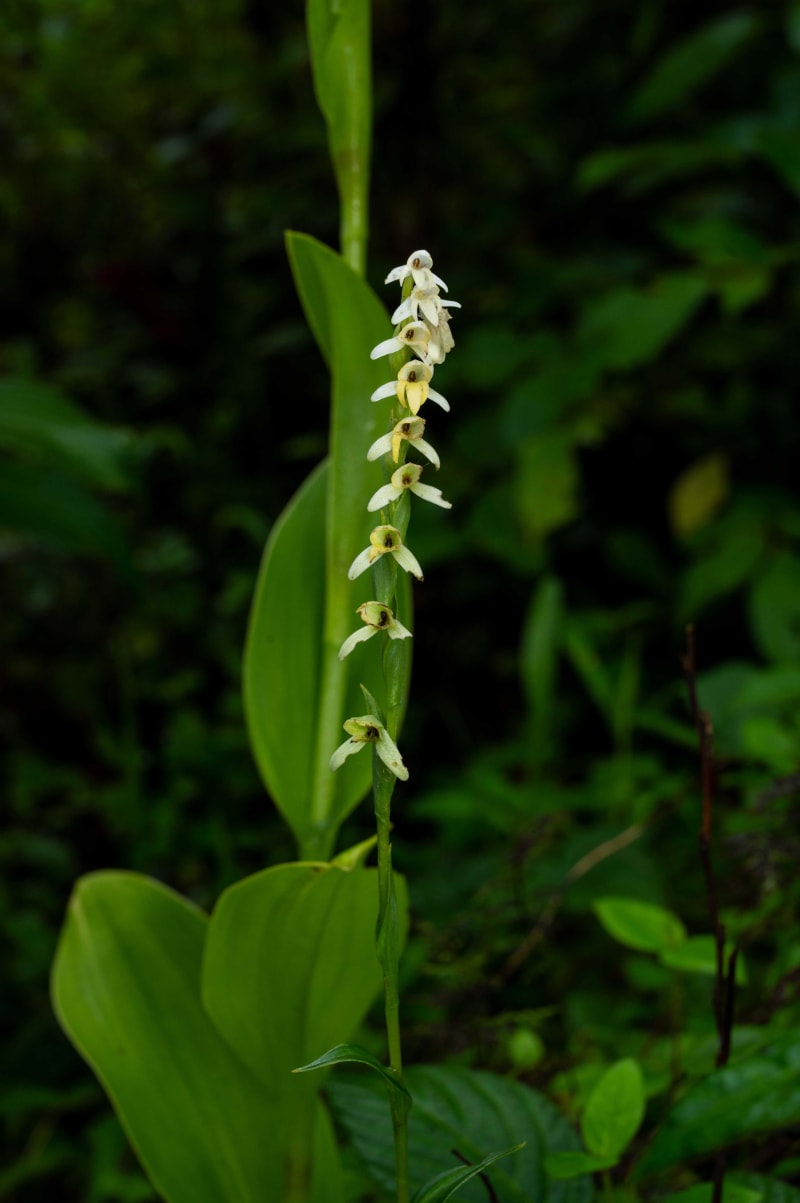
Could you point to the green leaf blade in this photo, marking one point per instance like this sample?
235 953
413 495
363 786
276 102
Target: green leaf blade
353 1054
126 989
614 1110
642 926
467 1110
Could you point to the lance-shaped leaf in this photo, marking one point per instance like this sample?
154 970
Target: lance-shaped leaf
297 692
353 1054
340 43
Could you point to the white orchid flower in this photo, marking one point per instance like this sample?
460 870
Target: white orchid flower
407 428
418 265
368 730
425 300
376 618
385 540
407 477
412 387
440 340
415 335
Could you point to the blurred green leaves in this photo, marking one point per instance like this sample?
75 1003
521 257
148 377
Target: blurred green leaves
53 458
687 66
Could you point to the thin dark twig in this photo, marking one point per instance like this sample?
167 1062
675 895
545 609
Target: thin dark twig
725 976
483 1177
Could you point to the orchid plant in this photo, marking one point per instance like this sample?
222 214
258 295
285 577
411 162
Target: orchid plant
194 1024
203 1028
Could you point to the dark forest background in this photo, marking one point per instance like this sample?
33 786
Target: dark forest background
611 189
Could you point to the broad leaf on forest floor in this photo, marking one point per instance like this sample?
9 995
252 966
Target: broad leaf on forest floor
126 989
640 925
473 1112
614 1110
759 1094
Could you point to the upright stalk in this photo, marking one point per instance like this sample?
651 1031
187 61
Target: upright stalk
388 956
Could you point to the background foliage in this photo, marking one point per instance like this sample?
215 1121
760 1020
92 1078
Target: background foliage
612 193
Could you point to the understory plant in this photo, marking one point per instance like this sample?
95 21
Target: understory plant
216 1036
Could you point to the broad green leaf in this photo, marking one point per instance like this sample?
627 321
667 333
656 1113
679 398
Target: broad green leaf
614 1110
467 1110
760 1094
446 1184
539 658
698 493
640 925
37 420
346 1054
289 968
631 326
698 954
297 692
44 504
572 1165
340 42
703 1192
126 989
687 66
293 932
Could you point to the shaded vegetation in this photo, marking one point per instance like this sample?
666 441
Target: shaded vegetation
615 192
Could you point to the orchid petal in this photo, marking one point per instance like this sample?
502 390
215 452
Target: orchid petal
381 446
382 497
390 755
385 390
439 399
406 559
396 630
348 748
429 493
427 451
358 636
360 564
388 347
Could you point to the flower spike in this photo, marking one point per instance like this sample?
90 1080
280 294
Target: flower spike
368 730
376 617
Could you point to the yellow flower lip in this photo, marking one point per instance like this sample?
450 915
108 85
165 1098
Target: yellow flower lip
413 384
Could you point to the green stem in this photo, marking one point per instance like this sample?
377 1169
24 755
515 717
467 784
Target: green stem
388 955
353 221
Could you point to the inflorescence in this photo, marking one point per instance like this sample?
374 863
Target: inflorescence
423 335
